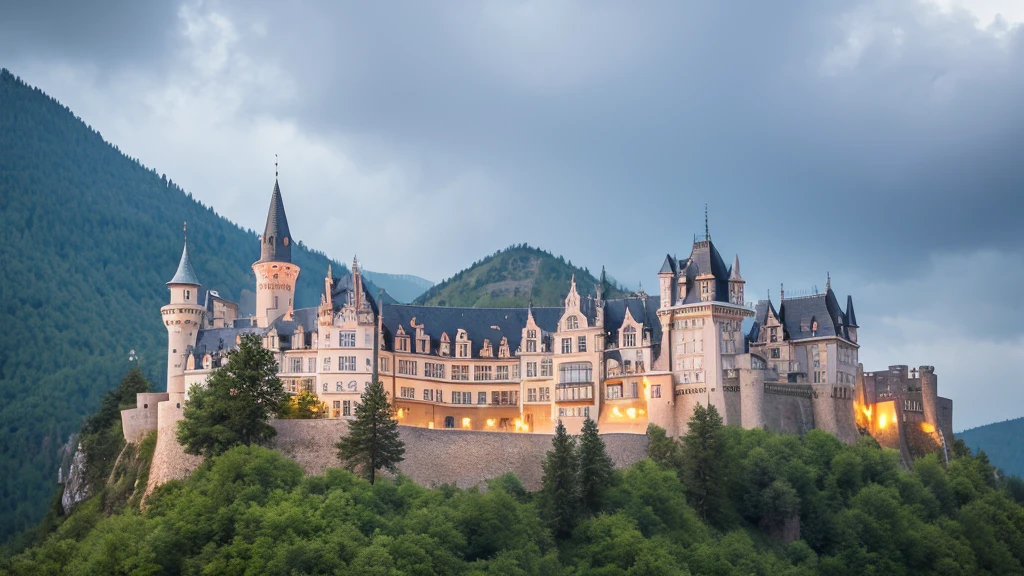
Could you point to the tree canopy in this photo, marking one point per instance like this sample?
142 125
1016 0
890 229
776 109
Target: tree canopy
372 442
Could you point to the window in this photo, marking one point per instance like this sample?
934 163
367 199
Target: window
463 350
438 396
531 369
481 373
325 387
531 394
433 370
460 372
188 294
545 394
462 397
501 373
347 339
613 391
296 364
327 364
449 422
545 368
327 339
515 371
574 372
407 367
633 389
336 411
566 345
815 357
581 344
563 392
582 412
481 397
383 364
406 392
312 364
346 408
571 323
773 334
531 333
656 391
775 353
347 363
402 343
629 336
428 395
531 345
338 387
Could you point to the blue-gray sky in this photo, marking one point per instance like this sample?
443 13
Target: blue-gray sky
878 140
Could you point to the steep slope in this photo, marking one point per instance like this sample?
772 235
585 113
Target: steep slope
88 237
1003 442
511 277
402 287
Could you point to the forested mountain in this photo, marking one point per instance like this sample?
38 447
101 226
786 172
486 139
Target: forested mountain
402 287
1003 442
511 277
88 237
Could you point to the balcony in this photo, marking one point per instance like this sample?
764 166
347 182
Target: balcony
631 371
574 393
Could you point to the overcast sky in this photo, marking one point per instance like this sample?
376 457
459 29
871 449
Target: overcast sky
882 141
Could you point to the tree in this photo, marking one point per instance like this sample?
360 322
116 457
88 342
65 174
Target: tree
595 468
560 487
305 406
703 451
664 450
235 405
372 442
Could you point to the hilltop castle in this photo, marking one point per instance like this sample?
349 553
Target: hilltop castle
622 362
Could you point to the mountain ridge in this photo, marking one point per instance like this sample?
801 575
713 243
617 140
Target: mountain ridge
1003 442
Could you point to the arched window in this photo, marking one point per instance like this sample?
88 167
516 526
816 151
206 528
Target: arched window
629 336
571 323
449 422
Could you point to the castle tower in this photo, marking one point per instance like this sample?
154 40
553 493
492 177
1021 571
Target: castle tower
736 282
929 394
183 317
275 273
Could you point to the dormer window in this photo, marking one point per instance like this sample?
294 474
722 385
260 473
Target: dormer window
503 351
486 351
571 323
628 337
462 350
531 345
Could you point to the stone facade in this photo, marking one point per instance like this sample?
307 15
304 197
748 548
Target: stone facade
516 372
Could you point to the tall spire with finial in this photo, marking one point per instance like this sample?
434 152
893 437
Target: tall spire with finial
185 274
782 292
828 281
276 242
707 229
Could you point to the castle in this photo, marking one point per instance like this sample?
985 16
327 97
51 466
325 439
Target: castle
623 362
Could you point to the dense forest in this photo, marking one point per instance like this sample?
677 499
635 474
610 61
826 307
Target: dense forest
1002 441
734 502
90 236
511 278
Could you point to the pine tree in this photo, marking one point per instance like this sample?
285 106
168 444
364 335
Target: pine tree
703 452
595 468
372 442
235 404
560 490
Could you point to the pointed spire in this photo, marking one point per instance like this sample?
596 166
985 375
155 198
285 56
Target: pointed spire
851 316
782 292
707 229
276 242
185 273
734 274
828 281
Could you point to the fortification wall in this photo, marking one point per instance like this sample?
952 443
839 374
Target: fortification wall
141 420
170 462
433 457
788 413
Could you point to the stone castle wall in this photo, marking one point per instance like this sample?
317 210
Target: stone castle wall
787 413
170 462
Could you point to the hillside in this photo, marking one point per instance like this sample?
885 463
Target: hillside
90 236
1003 442
510 278
402 287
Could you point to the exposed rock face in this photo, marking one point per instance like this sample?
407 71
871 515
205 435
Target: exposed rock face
76 488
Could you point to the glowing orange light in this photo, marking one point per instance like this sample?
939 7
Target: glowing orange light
430 424
617 412
647 389
518 423
490 421
631 412
642 412
882 421
465 422
401 413
927 428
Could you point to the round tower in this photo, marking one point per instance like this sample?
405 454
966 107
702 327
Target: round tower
929 394
275 273
183 317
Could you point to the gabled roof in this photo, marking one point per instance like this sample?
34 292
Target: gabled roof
705 259
643 310
798 315
276 242
669 267
185 273
342 287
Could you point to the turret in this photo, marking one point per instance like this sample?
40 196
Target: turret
665 276
929 394
183 317
275 273
736 282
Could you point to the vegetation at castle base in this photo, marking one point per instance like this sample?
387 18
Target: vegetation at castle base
305 405
511 277
372 442
236 403
1002 441
90 238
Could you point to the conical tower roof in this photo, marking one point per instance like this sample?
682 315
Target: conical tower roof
185 273
276 243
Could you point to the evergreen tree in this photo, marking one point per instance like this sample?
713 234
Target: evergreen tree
595 468
235 405
372 442
703 452
560 491
664 450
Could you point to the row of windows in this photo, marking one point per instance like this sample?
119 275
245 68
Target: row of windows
565 393
582 411
498 398
460 372
342 408
296 365
345 364
542 394
615 391
346 339
689 323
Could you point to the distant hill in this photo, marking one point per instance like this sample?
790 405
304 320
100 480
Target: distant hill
89 237
510 277
1003 442
402 287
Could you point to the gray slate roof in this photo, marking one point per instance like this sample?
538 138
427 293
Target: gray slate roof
185 273
276 242
798 315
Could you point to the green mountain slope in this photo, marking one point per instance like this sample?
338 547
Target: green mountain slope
402 287
1003 442
88 237
510 277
